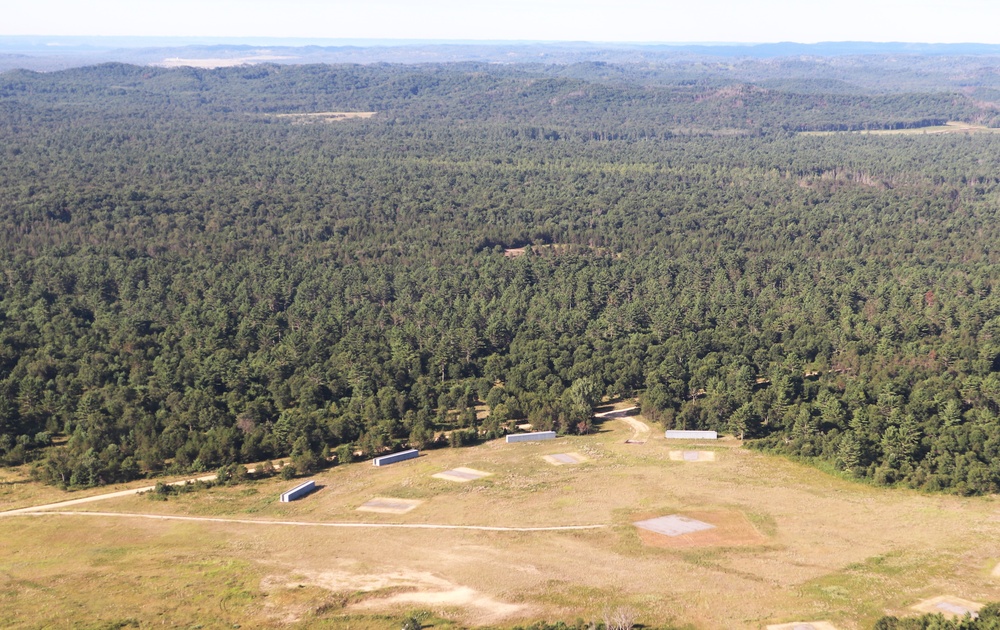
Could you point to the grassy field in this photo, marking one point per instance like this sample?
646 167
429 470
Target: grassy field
825 548
947 128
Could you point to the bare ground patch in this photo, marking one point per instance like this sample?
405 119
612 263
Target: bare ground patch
400 589
803 625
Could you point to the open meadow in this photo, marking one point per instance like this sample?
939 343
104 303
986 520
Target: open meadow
790 543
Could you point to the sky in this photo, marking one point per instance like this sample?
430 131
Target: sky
666 21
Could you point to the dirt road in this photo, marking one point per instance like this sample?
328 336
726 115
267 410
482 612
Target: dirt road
100 497
640 430
206 519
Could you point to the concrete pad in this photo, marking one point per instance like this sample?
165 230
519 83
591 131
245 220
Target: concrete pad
674 525
948 606
803 625
692 456
564 458
383 505
461 475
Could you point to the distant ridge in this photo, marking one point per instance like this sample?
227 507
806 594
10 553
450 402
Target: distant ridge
56 53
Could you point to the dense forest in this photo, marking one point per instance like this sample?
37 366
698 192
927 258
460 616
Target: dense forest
192 279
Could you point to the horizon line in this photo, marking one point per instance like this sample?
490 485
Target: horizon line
384 41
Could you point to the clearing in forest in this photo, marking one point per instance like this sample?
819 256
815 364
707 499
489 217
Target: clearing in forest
313 117
788 542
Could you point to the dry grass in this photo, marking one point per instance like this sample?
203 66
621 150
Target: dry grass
831 549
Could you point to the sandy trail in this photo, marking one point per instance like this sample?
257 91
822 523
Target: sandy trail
243 521
640 430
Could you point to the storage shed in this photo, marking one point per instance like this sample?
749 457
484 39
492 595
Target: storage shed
531 437
692 435
298 491
385 460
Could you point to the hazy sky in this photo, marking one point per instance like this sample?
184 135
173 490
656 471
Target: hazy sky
591 20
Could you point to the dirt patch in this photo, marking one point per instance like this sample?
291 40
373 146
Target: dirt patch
803 625
400 588
513 252
996 571
948 606
729 529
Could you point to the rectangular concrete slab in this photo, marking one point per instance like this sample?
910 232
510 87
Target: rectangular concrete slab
562 459
949 606
691 435
692 456
674 525
803 625
955 609
461 475
389 506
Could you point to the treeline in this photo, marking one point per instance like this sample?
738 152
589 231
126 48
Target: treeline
580 101
188 283
987 619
